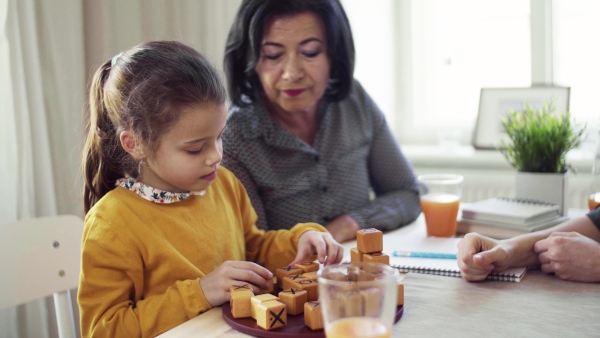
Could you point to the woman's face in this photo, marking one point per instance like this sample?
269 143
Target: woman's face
293 66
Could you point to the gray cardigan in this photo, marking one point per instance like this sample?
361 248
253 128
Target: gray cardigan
354 167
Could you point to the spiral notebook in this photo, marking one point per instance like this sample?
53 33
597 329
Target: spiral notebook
443 267
500 230
511 211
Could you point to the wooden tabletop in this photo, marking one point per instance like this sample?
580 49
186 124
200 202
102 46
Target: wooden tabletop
435 306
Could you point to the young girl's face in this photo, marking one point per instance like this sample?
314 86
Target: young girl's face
189 153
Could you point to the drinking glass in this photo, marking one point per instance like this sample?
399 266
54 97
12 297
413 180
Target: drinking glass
440 199
594 196
358 299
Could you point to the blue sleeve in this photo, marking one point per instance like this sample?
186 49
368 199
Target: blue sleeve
594 215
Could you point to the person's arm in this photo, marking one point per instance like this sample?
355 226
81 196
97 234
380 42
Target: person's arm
112 279
278 248
479 255
396 200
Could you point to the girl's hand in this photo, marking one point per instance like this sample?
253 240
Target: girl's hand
216 284
321 243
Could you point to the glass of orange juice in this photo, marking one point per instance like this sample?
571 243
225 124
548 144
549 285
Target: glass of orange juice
594 197
358 299
440 199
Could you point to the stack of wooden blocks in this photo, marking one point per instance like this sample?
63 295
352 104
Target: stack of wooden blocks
299 294
369 248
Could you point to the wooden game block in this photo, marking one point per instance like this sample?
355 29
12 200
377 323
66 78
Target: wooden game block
377 257
284 272
307 266
271 286
353 304
271 314
400 294
312 315
240 288
369 240
371 299
288 281
310 275
260 299
310 286
364 276
356 255
240 300
338 276
336 307
294 300
352 273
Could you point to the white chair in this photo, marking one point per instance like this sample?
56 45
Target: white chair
40 257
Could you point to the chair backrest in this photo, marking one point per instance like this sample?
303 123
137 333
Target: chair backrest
40 257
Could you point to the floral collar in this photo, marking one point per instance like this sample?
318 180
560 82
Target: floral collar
153 194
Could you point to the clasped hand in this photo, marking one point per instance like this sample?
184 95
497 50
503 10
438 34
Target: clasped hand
479 255
216 284
570 256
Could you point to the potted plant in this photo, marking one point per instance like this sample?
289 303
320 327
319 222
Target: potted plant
538 141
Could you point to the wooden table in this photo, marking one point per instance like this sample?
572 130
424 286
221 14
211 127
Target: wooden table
435 306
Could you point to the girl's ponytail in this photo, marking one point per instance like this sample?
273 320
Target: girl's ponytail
142 91
100 165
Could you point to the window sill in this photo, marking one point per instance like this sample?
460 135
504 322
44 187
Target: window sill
433 156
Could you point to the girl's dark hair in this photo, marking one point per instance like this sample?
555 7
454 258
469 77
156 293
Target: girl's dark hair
142 91
245 37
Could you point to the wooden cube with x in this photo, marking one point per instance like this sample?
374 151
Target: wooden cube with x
271 314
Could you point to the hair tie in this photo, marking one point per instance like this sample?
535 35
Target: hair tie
115 59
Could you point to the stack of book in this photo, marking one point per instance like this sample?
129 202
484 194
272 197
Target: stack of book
508 217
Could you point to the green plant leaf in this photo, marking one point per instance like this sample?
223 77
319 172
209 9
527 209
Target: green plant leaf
539 139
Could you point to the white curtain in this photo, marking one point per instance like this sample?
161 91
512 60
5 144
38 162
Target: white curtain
48 51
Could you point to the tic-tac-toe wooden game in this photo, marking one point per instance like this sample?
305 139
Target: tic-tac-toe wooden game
294 296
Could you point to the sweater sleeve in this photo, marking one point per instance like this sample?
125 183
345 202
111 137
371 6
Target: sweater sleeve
396 200
273 248
111 286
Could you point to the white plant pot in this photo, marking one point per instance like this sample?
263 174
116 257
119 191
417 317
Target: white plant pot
545 187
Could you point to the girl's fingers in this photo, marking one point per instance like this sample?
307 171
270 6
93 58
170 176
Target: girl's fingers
251 266
248 272
335 252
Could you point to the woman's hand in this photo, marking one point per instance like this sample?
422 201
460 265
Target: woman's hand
343 228
479 255
570 256
321 243
216 284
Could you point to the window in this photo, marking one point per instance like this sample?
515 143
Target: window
577 55
427 74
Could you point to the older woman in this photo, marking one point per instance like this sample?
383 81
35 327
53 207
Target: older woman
303 136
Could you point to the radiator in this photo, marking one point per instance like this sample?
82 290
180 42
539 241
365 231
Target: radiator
483 184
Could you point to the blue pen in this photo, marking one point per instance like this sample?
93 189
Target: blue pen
423 254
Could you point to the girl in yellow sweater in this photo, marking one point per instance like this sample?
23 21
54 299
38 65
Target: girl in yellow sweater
168 231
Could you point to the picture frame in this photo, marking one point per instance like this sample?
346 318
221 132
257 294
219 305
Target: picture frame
495 103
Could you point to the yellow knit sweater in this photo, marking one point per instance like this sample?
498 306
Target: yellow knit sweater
141 261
